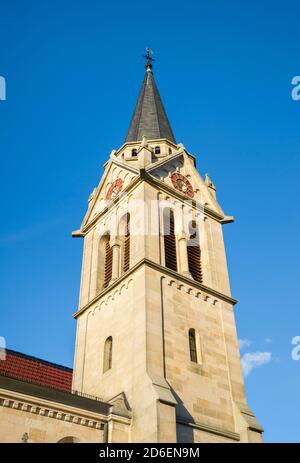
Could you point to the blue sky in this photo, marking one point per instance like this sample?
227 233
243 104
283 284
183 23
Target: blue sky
73 71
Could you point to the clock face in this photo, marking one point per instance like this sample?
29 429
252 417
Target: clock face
182 184
114 189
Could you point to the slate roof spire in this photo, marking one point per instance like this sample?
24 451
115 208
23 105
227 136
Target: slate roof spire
149 118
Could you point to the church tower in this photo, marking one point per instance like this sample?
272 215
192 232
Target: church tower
156 333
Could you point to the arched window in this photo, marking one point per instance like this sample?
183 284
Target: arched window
107 354
134 152
68 440
194 252
107 261
169 239
193 345
125 236
170 151
104 263
157 150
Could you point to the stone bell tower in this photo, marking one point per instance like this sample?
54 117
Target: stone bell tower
156 331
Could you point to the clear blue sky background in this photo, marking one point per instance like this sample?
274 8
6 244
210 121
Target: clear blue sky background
224 69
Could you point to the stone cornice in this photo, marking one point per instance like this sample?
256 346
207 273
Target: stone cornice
165 271
211 429
191 282
118 419
38 406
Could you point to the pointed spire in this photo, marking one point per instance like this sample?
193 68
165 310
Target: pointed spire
149 117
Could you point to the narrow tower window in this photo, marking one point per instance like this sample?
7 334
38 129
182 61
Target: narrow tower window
193 346
107 354
169 239
125 236
107 262
104 264
134 152
194 252
157 150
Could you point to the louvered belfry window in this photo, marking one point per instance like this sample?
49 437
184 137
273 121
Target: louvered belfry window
194 252
193 347
126 251
107 263
170 240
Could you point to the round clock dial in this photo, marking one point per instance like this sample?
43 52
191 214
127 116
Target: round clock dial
114 189
182 184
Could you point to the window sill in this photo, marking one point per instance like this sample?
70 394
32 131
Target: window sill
107 372
195 367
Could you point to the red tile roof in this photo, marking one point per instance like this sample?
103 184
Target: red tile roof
35 370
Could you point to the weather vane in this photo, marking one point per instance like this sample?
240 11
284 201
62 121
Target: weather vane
149 58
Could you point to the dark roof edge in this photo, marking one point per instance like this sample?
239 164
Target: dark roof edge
55 395
37 359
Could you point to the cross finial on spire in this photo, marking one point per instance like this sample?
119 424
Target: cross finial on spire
149 59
